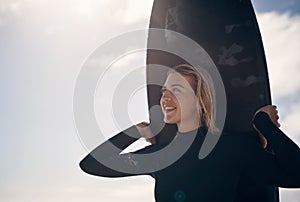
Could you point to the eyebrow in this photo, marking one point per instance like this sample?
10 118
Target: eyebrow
177 85
173 85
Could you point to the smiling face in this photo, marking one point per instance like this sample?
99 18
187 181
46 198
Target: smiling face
179 103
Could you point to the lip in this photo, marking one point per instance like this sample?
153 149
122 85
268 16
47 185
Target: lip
168 108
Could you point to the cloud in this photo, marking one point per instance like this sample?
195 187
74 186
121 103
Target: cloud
137 10
72 29
9 9
60 35
280 33
290 123
109 85
290 195
127 12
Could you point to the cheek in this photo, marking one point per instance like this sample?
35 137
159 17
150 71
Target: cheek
188 105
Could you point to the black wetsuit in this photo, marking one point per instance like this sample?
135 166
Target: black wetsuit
220 177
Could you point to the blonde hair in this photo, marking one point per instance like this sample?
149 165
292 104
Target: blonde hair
204 92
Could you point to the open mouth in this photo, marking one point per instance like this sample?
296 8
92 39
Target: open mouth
168 109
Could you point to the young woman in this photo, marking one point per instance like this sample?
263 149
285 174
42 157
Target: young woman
187 101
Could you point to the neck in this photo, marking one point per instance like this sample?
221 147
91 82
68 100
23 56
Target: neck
187 127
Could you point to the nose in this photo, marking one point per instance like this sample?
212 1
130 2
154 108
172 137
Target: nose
166 95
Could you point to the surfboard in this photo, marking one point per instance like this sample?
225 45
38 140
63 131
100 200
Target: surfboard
228 31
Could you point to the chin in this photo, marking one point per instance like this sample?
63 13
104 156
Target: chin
169 121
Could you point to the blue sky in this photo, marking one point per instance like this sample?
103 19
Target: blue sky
290 6
43 45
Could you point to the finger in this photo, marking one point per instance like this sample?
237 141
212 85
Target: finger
151 140
275 120
278 121
278 124
143 124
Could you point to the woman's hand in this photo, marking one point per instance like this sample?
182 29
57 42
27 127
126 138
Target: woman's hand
145 132
271 110
273 114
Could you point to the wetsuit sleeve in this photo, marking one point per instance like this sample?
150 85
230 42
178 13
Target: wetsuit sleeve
106 160
281 167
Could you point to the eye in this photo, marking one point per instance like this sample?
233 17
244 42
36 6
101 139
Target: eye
176 90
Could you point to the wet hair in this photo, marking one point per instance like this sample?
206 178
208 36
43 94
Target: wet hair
204 91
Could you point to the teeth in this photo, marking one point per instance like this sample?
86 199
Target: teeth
169 108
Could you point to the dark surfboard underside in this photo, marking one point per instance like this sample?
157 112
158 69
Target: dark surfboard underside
229 33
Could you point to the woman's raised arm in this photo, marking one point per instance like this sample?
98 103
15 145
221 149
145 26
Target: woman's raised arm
106 160
281 166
